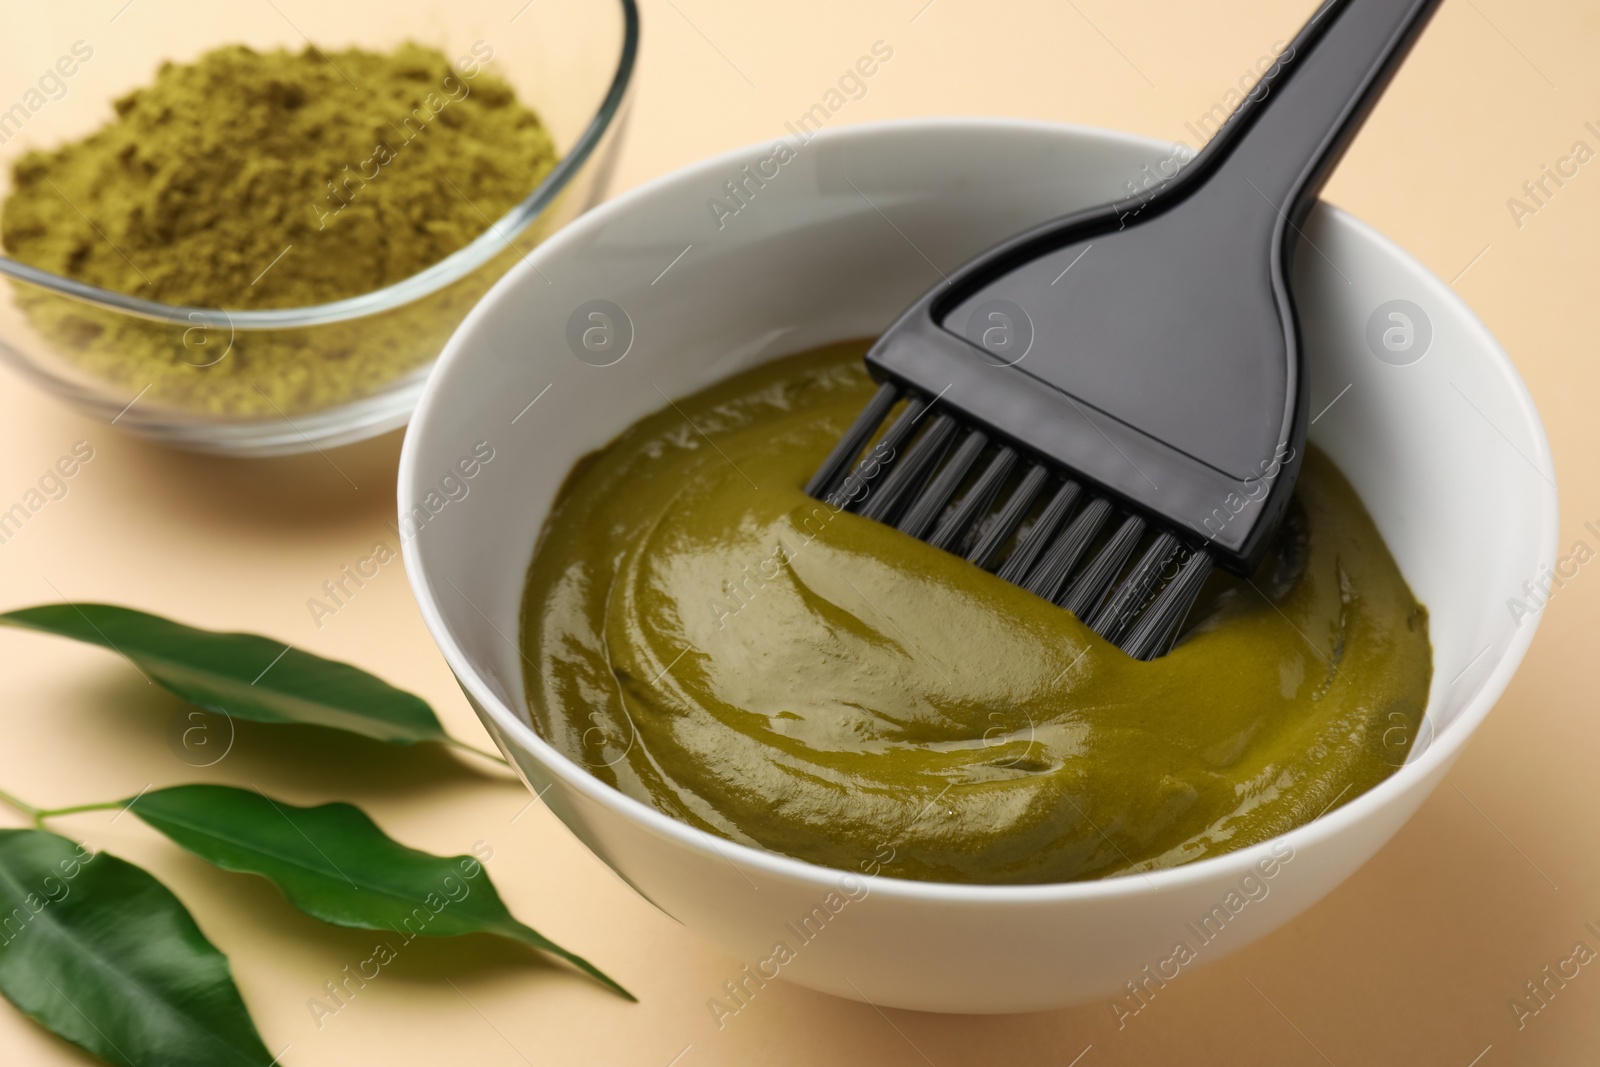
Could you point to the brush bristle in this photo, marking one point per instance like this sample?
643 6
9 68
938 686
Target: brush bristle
912 478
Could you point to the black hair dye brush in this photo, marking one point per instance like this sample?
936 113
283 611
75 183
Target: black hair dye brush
1136 366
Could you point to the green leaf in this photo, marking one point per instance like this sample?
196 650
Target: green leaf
335 864
98 951
245 676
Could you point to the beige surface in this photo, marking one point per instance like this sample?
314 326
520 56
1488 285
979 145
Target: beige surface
1412 961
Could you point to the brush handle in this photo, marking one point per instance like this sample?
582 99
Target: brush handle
1167 368
1283 141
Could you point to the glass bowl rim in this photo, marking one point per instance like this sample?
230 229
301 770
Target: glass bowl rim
425 282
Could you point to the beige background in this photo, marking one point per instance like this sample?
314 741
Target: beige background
1413 961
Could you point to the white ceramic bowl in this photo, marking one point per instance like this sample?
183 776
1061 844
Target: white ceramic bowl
833 244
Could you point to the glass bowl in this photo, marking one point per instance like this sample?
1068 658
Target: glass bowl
571 61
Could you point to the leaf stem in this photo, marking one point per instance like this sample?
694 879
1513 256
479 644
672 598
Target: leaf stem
39 815
36 814
463 746
105 805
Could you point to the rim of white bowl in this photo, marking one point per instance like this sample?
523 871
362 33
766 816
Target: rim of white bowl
1439 753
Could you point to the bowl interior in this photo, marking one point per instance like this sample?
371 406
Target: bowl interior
849 230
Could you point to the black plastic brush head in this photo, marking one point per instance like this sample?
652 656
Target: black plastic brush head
1132 372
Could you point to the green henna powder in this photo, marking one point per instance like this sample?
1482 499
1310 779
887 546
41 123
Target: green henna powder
252 180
